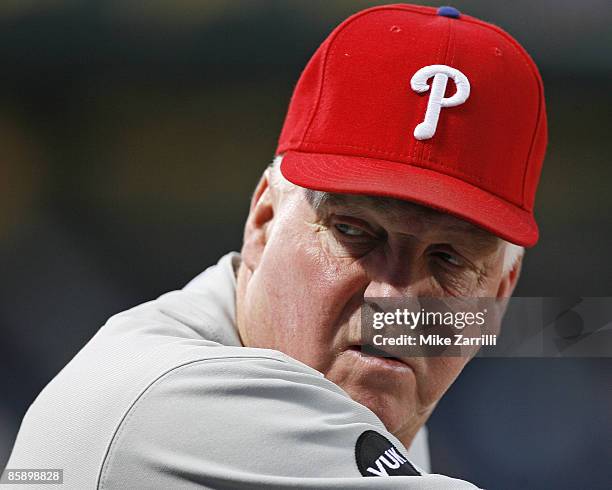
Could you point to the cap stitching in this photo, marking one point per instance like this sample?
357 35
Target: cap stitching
332 47
419 146
313 110
450 39
328 54
417 161
533 139
530 64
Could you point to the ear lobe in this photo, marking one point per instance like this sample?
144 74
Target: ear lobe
261 215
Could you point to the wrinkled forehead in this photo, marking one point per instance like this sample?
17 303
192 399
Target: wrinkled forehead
400 212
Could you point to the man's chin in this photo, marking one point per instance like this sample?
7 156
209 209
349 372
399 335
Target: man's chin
395 413
387 389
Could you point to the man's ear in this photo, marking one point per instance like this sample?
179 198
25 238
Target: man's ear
504 291
261 215
510 279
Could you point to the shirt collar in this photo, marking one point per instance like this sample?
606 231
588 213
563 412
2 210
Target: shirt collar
215 290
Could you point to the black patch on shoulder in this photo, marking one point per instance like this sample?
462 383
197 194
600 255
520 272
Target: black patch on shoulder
376 456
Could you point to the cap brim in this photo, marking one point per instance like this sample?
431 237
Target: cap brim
367 176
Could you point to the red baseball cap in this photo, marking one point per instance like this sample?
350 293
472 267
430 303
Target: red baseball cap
425 105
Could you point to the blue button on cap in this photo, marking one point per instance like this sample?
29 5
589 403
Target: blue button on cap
451 12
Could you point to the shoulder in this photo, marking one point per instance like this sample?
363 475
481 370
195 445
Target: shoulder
256 418
227 408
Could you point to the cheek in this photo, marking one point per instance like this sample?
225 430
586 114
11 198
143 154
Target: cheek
299 295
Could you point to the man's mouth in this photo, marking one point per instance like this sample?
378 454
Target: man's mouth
378 357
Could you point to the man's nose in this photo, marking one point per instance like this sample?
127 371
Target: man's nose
378 289
380 295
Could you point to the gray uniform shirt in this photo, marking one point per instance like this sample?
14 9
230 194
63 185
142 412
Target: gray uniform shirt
165 396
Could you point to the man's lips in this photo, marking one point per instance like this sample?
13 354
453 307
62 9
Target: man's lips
379 358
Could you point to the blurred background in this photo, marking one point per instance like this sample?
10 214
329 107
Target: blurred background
132 134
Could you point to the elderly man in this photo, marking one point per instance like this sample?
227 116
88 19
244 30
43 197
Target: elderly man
407 167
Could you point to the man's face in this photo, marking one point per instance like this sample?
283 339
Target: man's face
307 270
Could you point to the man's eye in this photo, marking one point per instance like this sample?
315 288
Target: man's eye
449 258
349 230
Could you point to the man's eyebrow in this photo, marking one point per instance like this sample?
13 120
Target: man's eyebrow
323 201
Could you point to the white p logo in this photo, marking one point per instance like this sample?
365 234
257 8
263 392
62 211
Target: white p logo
427 128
